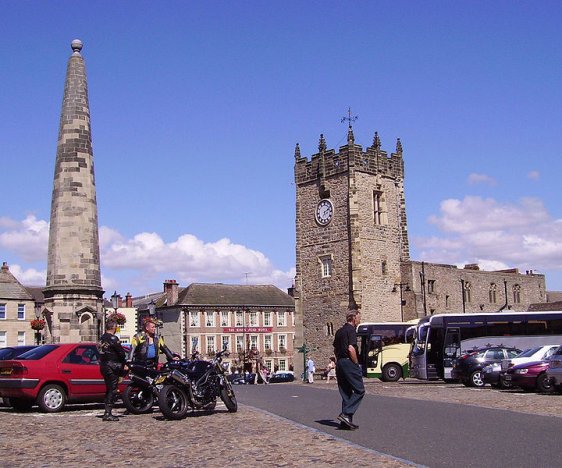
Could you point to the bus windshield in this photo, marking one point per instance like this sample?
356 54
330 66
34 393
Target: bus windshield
419 343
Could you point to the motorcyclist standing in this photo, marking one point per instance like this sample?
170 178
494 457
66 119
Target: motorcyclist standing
147 345
112 366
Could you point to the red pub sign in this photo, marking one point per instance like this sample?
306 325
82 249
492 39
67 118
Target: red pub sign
247 330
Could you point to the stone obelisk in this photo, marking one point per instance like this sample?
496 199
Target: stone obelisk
73 293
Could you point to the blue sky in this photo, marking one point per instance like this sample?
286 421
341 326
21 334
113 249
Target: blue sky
196 108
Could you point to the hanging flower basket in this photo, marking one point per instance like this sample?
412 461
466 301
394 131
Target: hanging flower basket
38 324
118 318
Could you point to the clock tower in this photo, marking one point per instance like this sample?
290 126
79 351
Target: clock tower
351 239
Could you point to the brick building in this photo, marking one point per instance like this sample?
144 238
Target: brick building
352 250
252 321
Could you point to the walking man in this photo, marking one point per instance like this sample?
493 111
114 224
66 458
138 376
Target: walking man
112 366
348 370
310 370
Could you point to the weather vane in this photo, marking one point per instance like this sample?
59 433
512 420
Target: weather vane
349 118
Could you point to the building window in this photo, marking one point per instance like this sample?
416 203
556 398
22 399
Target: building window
21 311
3 339
516 294
282 341
225 342
447 304
193 319
224 319
210 319
282 365
267 342
239 319
326 266
267 319
210 344
330 329
21 338
253 319
254 342
268 364
281 322
467 292
492 293
194 343
430 286
239 343
383 268
2 311
379 208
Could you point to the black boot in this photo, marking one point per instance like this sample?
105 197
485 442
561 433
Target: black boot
107 416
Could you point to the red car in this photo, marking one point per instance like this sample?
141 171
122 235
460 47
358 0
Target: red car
52 375
530 376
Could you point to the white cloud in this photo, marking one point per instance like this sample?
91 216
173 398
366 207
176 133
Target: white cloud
534 175
142 263
474 179
494 235
28 239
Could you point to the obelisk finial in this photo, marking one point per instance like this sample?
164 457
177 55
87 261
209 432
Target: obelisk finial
76 45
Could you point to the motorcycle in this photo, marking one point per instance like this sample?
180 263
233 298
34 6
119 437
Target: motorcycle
196 386
141 394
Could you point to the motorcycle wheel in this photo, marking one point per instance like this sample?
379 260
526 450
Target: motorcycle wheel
138 400
228 398
173 402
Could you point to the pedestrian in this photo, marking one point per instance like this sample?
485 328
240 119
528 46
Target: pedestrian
331 369
348 370
310 370
147 345
112 366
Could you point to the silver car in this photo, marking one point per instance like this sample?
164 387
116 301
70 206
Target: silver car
554 371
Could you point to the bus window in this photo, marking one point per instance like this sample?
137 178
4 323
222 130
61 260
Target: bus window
375 347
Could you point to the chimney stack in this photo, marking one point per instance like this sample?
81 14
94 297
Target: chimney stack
128 300
171 290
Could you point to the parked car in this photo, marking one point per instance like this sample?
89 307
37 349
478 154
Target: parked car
242 379
282 376
12 352
491 374
468 367
554 371
52 375
539 353
530 376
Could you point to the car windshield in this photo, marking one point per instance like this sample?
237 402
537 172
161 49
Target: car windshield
528 352
37 353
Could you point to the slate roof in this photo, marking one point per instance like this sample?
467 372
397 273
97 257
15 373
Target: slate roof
10 287
234 294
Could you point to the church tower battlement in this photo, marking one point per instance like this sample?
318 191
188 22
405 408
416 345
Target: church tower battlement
351 238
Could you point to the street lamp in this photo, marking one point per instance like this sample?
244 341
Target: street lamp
402 301
115 301
152 309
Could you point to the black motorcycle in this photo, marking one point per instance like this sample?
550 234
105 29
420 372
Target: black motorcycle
141 394
196 386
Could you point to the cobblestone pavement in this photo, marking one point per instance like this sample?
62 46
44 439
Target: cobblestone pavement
78 436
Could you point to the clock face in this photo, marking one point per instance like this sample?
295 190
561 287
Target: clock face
324 212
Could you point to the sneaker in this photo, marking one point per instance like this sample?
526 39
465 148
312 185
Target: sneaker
345 419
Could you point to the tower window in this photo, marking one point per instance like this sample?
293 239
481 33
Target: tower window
326 266
431 286
492 293
517 294
379 208
383 268
467 292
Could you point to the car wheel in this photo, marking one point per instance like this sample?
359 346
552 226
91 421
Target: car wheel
476 379
20 404
51 398
391 373
544 384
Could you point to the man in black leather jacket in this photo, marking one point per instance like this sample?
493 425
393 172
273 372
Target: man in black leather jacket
112 366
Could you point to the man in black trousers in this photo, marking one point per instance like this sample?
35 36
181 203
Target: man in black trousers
348 370
112 366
